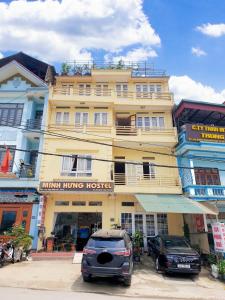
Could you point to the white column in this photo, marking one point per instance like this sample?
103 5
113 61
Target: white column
192 172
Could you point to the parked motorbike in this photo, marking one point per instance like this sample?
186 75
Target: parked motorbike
1 255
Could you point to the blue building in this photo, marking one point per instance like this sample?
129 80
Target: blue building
23 103
201 157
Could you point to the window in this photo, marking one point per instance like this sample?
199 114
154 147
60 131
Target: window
122 90
100 118
67 88
162 224
102 90
145 90
62 118
127 203
85 89
150 225
148 170
207 176
126 222
77 166
62 203
138 222
79 203
11 114
150 122
81 118
95 203
2 155
8 220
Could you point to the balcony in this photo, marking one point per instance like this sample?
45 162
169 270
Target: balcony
33 124
205 192
94 95
27 171
146 184
121 134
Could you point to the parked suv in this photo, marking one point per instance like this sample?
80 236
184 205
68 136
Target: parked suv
108 253
174 254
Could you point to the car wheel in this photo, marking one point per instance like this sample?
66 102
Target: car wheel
86 278
127 281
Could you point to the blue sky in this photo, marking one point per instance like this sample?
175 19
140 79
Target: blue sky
185 37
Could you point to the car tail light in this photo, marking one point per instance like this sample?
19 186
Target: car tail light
123 253
88 251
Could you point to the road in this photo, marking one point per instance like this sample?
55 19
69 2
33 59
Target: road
25 294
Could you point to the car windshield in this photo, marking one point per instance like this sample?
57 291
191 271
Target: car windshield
175 243
106 243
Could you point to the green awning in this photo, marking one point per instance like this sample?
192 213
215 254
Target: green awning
172 204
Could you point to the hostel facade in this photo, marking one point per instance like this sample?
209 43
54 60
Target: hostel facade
111 130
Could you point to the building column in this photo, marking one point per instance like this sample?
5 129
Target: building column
192 172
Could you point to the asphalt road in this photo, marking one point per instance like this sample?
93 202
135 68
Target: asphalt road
25 294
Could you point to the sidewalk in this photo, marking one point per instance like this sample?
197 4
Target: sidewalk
65 276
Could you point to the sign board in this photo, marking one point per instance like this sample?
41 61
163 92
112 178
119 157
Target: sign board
76 186
41 211
218 230
196 133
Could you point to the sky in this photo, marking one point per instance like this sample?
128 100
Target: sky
184 37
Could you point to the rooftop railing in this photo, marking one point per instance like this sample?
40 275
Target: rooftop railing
84 68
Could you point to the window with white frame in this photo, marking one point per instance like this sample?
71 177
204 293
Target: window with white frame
126 222
84 89
81 118
77 165
162 224
62 118
67 88
102 89
150 225
145 90
146 122
122 89
100 118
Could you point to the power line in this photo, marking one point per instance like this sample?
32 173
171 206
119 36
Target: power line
98 159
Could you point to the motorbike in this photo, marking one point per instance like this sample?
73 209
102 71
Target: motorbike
1 255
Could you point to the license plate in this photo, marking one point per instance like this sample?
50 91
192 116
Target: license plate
183 266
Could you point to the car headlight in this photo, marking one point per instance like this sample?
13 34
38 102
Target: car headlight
171 258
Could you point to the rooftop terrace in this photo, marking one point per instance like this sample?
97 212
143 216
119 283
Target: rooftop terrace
85 68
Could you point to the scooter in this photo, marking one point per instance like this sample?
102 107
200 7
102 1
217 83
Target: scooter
8 252
1 255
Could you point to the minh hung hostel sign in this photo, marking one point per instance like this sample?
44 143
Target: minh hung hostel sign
76 186
209 133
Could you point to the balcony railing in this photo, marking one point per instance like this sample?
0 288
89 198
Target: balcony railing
138 69
202 191
110 93
33 124
145 180
116 130
27 171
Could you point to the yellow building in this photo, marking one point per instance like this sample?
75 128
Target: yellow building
114 127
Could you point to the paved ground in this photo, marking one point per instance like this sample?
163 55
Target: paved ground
65 276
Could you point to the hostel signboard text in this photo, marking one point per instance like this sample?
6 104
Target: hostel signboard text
196 133
218 230
76 186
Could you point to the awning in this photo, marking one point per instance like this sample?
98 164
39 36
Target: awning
172 204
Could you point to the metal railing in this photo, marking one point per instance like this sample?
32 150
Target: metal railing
84 68
94 92
33 124
206 191
27 171
134 130
147 180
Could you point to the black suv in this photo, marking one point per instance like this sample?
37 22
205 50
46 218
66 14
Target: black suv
174 254
108 253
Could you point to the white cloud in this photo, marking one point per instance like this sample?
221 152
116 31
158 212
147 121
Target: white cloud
1 55
184 87
198 51
214 30
135 55
69 29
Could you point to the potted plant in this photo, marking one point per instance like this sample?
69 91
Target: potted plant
221 268
65 69
137 239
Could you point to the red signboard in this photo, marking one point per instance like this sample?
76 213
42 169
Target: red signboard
218 230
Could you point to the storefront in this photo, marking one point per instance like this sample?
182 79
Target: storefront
19 206
72 215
